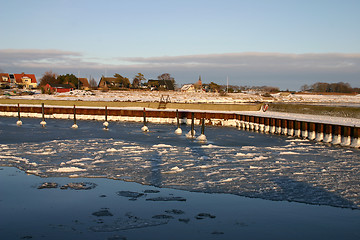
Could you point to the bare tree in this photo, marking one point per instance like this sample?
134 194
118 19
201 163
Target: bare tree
92 83
49 77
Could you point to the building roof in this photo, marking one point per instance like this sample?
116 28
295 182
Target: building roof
4 75
84 82
53 85
19 76
108 79
168 83
186 87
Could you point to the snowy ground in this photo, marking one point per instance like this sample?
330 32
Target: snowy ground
181 97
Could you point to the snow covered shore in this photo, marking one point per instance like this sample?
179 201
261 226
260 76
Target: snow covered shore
185 97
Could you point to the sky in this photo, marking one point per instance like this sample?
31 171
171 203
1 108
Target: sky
282 43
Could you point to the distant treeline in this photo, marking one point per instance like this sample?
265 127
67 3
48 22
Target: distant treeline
339 87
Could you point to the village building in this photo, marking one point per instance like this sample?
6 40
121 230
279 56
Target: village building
188 88
196 87
4 80
161 84
84 84
20 80
107 82
60 88
23 80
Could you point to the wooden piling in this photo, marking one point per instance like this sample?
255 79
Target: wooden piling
74 115
311 131
177 118
290 131
192 124
319 128
346 138
203 126
355 133
337 134
18 106
304 129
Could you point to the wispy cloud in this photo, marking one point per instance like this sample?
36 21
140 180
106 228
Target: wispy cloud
252 68
254 60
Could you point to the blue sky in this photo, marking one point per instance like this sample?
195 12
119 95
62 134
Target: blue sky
284 43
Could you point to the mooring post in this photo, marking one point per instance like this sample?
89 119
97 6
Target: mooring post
144 128
177 118
43 112
106 124
19 122
202 137
43 123
191 133
202 125
74 125
178 131
192 124
74 114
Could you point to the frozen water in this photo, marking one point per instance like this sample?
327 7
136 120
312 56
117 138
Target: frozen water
237 162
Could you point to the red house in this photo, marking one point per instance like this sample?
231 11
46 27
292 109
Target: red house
60 88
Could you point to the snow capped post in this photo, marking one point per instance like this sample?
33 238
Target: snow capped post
262 125
106 124
297 127
256 124
144 128
319 132
328 133
284 127
278 126
74 126
19 122
290 131
251 123
178 131
272 125
346 138
191 133
266 125
202 137
43 123
355 133
311 132
304 129
337 135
